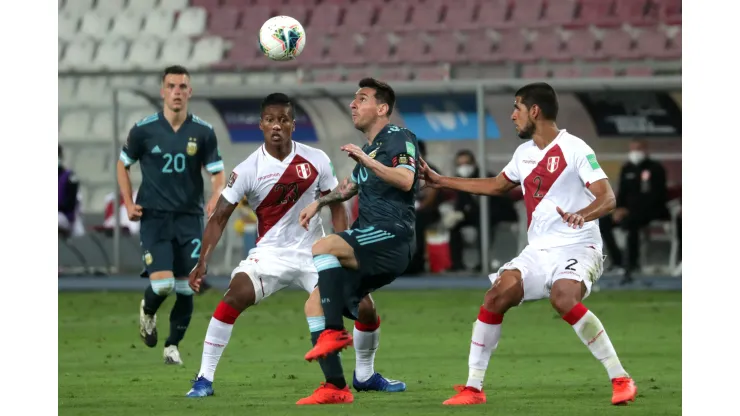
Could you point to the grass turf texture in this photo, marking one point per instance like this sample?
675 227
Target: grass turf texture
540 367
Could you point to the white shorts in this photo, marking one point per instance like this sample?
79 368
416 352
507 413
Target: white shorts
540 268
272 272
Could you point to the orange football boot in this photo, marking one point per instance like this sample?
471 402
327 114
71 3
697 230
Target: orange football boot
466 395
624 390
331 340
328 393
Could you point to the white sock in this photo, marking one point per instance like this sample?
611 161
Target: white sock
592 333
484 342
217 337
366 344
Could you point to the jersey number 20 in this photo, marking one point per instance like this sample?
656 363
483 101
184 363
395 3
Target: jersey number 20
177 161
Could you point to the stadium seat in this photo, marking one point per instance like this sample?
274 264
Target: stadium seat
597 13
127 25
66 91
158 23
567 72
549 45
327 76
93 163
207 51
526 13
173 5
670 12
244 53
636 12
492 15
426 16
111 55
314 55
141 6
432 73
358 18
581 44
143 54
638 71
78 55
210 5
559 12
253 18
480 47
94 91
616 44
600 71
324 19
392 19
68 25
109 7
235 80
130 98
534 72
411 49
191 22
446 48
394 73
223 21
345 51
102 127
94 25
459 15
75 126
514 46
78 7
175 50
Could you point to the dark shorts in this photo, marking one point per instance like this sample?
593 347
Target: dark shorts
383 253
170 241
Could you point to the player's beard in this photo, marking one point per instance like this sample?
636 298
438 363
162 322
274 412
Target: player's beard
528 131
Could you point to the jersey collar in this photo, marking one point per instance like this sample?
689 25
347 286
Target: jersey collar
287 158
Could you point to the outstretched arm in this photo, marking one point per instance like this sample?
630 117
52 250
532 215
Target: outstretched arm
214 228
346 190
479 186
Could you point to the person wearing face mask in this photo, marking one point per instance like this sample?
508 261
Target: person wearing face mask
427 214
67 199
641 198
501 209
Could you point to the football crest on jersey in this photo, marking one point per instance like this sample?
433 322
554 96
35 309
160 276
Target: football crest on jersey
192 148
552 163
148 259
303 170
373 153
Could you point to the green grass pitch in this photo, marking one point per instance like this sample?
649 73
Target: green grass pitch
540 367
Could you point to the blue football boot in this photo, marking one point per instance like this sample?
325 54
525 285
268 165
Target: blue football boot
201 388
378 383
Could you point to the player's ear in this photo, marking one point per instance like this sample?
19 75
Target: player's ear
534 111
260 124
383 109
292 129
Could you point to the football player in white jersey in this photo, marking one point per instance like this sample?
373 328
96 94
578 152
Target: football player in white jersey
565 193
279 180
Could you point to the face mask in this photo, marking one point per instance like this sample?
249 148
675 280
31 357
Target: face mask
636 156
465 171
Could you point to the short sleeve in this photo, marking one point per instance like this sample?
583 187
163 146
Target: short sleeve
588 167
133 148
238 185
511 171
327 177
402 150
212 155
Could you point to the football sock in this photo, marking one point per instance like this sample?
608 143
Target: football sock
332 279
592 333
217 336
486 333
366 340
152 301
331 366
180 316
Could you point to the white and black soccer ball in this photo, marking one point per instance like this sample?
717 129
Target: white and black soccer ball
282 38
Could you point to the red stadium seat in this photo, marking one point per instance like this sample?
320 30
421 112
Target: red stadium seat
324 19
358 18
223 21
426 16
459 15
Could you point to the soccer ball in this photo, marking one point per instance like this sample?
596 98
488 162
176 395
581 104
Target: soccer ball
282 38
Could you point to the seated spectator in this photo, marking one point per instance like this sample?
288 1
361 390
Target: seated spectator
641 198
70 218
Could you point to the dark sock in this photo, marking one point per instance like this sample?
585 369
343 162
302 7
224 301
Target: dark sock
331 366
180 319
152 301
332 278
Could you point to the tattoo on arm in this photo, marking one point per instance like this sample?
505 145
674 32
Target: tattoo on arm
346 190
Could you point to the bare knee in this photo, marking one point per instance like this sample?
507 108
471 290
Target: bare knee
367 314
313 304
566 294
335 245
505 293
241 294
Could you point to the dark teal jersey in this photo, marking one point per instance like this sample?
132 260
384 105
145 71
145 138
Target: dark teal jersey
171 162
381 202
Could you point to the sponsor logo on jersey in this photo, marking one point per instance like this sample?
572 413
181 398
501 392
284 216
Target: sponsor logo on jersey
304 170
552 163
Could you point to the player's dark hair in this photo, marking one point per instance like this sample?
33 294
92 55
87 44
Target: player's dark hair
465 152
383 92
543 95
176 70
277 98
